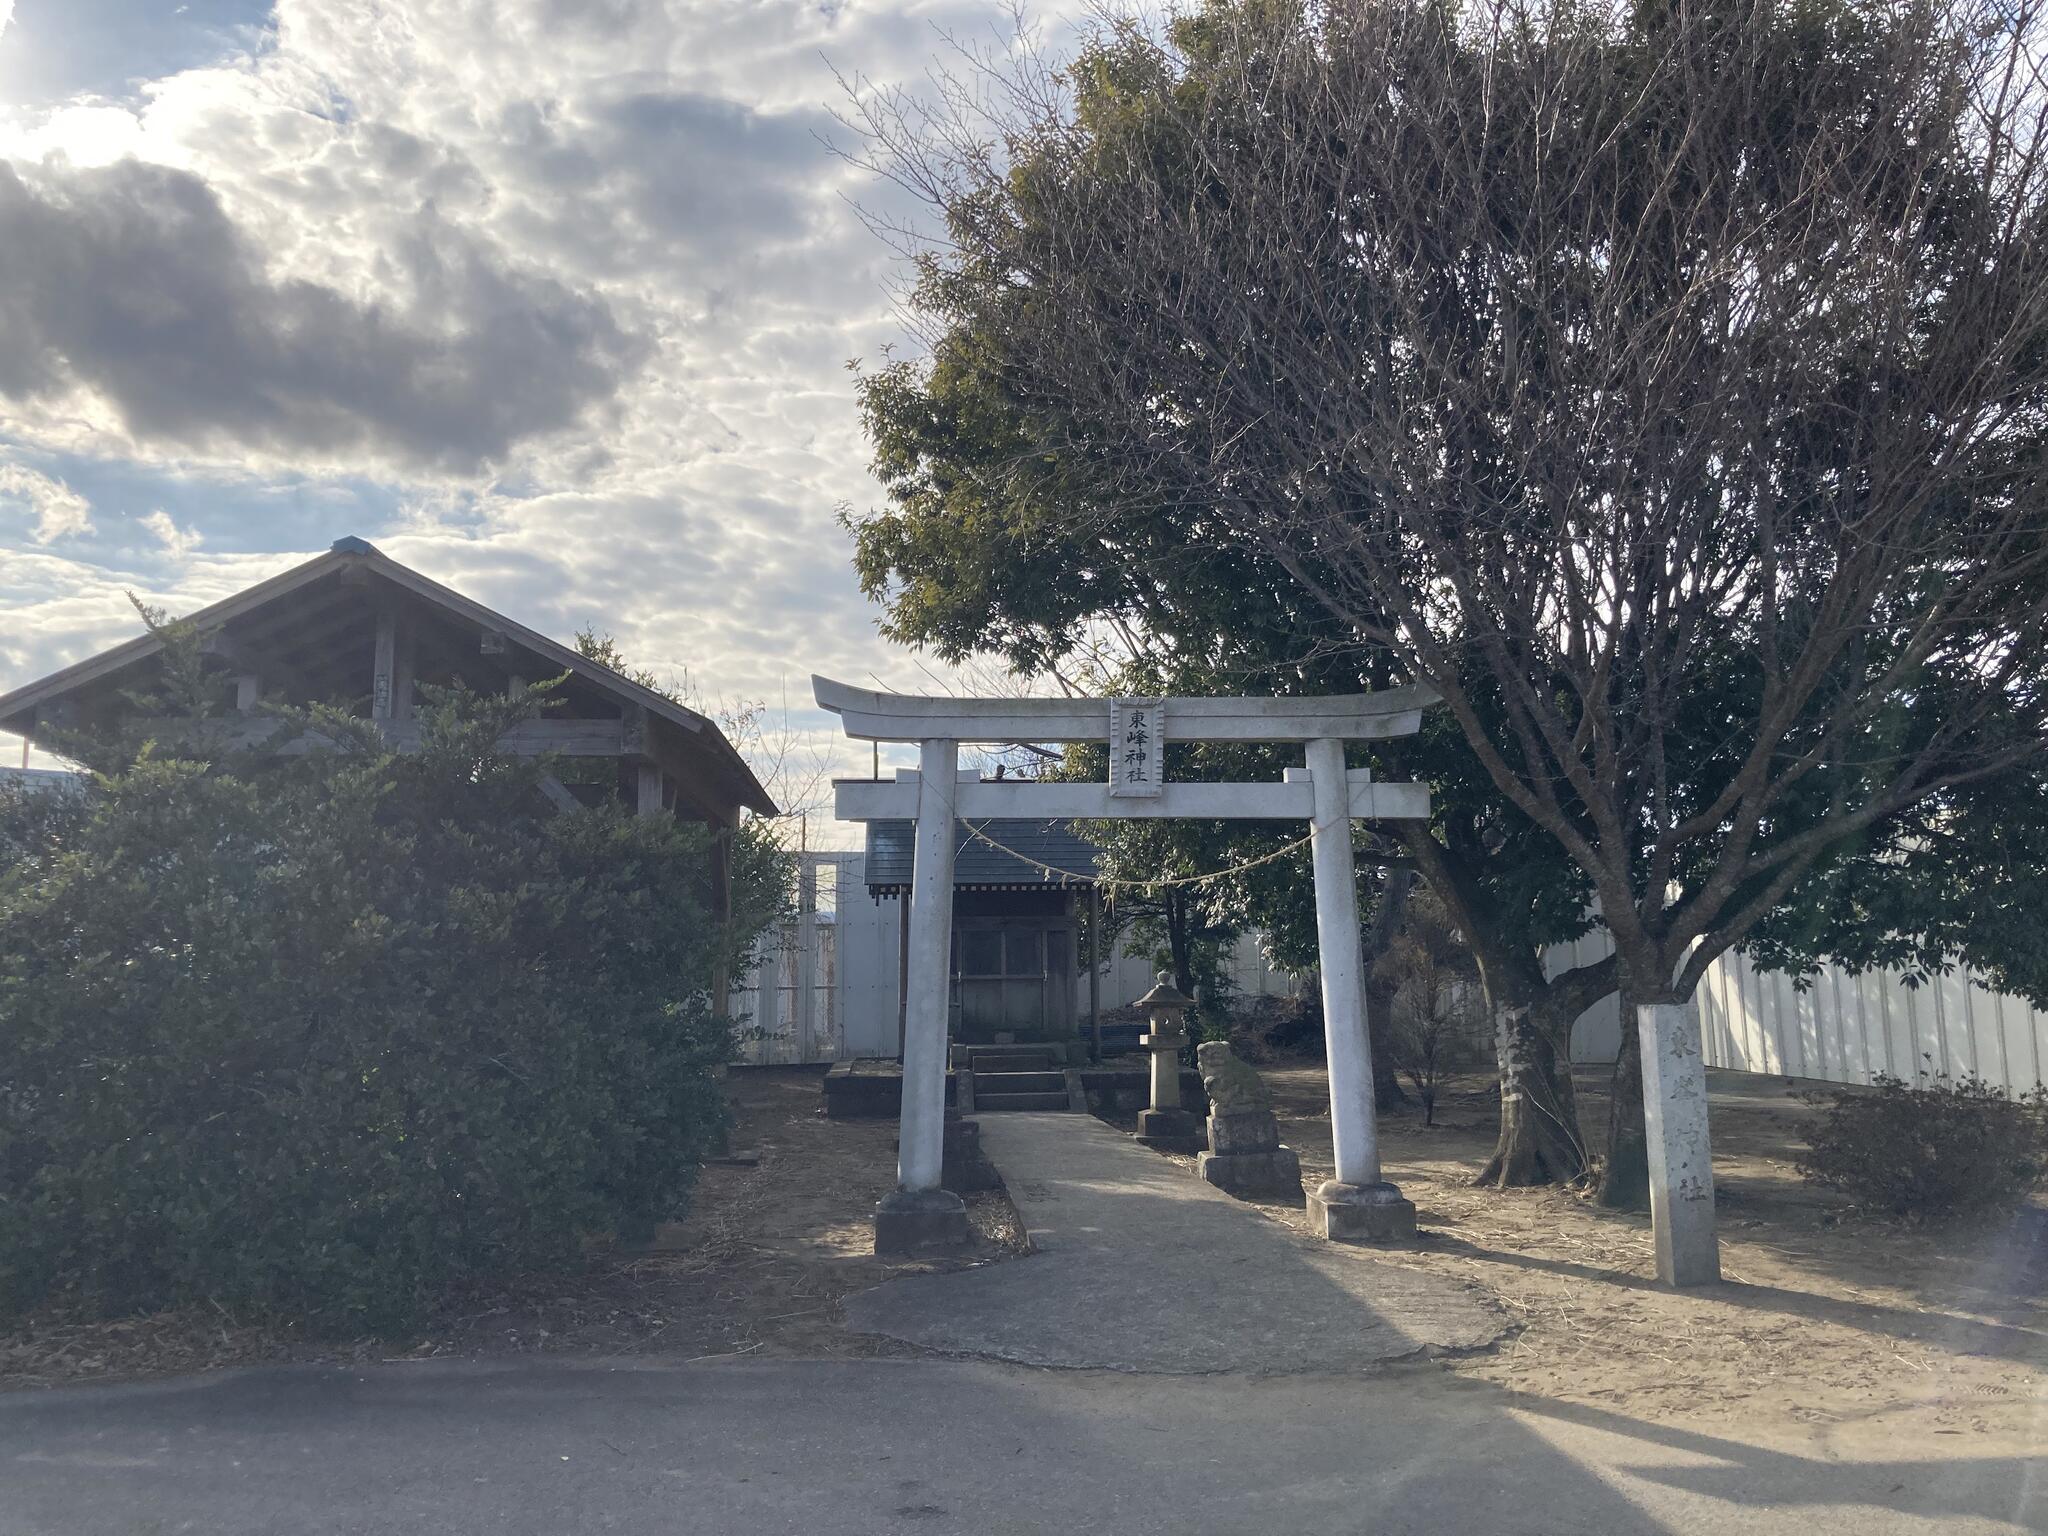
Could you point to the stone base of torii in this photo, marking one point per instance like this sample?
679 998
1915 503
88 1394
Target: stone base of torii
1358 1205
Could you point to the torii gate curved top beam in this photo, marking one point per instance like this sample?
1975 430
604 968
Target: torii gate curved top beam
871 716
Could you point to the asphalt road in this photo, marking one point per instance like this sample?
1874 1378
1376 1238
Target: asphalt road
838 1448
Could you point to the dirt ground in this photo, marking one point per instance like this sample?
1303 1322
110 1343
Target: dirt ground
759 1267
1828 1316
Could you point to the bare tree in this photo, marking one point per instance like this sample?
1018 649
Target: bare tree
1438 1025
1664 385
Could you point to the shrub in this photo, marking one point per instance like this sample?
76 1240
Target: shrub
1942 1151
1295 1026
323 1036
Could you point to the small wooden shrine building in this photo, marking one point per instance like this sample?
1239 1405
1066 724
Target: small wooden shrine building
355 628
1022 889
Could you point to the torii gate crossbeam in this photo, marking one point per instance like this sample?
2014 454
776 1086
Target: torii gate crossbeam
1358 1204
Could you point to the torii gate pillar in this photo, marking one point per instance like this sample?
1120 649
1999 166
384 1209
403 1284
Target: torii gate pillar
1358 1204
918 1216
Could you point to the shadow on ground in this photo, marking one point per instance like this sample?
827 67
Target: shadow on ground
859 1447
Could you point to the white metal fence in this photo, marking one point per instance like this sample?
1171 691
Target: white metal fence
1126 977
787 1005
823 985
1840 1028
1848 1029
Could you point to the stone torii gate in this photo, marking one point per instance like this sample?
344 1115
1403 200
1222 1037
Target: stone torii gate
1356 1205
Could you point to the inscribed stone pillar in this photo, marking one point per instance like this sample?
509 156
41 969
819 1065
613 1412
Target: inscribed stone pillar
1680 1153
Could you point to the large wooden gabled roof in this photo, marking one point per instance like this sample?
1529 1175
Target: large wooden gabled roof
304 622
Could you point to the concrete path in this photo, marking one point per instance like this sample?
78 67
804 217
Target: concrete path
864 1447
1141 1268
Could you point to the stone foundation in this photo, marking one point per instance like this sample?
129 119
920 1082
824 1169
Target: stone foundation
1268 1174
1361 1213
918 1223
870 1088
1169 1130
1245 1156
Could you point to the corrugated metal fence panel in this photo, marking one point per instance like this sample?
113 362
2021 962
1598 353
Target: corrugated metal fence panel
788 1007
870 938
1844 1028
1596 1033
1126 978
1839 1028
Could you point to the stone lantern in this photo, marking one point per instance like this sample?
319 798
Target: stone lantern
1166 1125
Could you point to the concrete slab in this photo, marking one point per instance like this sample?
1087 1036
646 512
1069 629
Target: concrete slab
1141 1268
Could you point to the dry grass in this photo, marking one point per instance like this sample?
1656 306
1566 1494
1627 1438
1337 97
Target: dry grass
1825 1316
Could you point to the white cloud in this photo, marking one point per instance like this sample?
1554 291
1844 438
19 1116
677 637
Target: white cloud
576 279
6 14
59 510
128 288
82 133
178 542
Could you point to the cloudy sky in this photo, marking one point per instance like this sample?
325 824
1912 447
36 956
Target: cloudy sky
551 299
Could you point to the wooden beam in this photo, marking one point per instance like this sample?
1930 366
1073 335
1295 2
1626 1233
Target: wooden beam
558 793
806 956
721 914
110 661
535 738
230 732
252 664
530 738
633 728
384 670
649 786
314 612
403 665
864 800
702 793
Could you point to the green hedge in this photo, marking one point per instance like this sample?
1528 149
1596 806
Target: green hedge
326 1036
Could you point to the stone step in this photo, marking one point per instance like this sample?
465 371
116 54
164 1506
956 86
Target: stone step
1017 1082
993 1101
1031 1061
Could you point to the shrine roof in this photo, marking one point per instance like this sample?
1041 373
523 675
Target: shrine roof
977 865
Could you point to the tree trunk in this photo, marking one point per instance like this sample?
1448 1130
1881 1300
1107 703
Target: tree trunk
1380 988
1625 1175
1540 1141
1178 950
1387 1092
